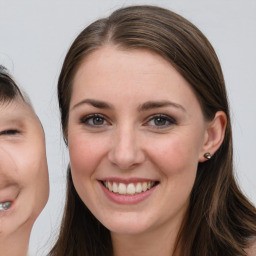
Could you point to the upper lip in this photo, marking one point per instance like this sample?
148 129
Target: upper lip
127 180
8 193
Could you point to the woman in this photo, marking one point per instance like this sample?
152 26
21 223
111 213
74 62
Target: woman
24 185
145 116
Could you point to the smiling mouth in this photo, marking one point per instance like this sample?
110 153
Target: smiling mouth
5 206
129 189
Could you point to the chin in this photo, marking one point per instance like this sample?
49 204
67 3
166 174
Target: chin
126 226
127 230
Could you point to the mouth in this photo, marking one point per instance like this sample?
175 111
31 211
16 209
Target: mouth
8 196
129 189
4 206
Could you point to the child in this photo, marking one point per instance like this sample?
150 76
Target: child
24 183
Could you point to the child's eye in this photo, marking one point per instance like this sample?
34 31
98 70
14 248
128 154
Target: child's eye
94 120
160 121
10 132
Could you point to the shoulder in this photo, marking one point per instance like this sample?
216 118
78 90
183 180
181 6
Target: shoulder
251 250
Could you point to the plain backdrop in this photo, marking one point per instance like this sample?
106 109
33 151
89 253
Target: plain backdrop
35 36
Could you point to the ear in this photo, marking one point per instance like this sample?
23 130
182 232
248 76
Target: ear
214 135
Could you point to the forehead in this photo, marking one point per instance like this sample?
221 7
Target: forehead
17 110
111 71
110 67
107 56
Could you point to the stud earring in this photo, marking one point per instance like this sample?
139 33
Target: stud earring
208 156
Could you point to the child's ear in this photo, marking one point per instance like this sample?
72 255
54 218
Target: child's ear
214 135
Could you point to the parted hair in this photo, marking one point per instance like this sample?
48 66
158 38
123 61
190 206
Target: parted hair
220 220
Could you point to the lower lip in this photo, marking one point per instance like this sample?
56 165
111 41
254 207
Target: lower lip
127 199
5 198
9 210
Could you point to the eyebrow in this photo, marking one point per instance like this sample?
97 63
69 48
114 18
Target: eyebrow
143 107
159 104
94 103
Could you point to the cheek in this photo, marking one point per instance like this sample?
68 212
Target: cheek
31 176
176 155
33 171
85 154
28 162
8 164
176 160
32 159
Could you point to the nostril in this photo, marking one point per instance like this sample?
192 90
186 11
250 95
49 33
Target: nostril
126 158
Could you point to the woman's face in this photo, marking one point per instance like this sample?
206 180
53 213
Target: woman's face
135 134
24 184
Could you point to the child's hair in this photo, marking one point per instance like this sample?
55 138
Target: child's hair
9 90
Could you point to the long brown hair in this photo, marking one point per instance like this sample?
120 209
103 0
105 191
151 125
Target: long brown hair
220 220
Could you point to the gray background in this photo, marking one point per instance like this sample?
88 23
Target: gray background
35 36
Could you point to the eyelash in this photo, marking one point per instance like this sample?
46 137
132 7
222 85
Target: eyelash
165 118
10 132
85 120
162 117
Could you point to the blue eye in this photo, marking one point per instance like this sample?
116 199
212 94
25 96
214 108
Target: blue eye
160 121
94 120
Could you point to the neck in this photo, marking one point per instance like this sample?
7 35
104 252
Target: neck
15 244
157 242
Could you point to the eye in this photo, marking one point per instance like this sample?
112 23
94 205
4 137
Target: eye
10 132
160 121
94 120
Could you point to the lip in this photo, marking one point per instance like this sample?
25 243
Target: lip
127 199
126 181
10 210
9 194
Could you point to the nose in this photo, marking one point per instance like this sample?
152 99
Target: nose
126 150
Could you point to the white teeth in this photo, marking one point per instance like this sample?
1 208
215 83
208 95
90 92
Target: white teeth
128 189
115 188
138 188
144 186
122 189
131 189
109 186
5 206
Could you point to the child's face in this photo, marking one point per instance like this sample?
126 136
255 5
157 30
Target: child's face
24 184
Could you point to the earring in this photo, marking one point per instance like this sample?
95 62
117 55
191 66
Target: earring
208 156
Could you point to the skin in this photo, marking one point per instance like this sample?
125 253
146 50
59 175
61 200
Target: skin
130 140
251 251
23 175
